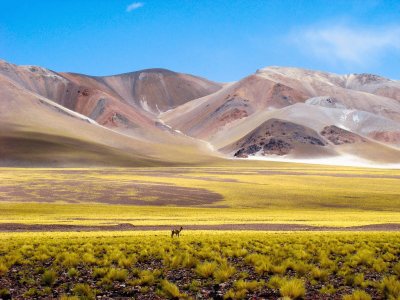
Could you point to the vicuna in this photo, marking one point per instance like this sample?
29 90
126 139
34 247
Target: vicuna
176 232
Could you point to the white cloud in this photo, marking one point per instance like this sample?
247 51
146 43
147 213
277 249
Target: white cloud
134 6
347 44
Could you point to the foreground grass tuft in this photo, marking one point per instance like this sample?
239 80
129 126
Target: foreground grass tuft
206 269
357 295
223 273
49 277
170 290
293 289
84 291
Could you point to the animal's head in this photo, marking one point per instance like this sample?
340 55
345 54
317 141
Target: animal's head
181 227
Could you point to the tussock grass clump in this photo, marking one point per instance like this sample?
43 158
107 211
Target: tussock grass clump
262 264
126 262
357 295
3 268
278 269
206 269
380 265
194 285
116 275
293 289
358 279
275 282
263 267
223 273
66 297
41 256
396 269
390 287
170 290
146 278
235 295
31 293
301 268
69 260
364 257
5 294
182 260
248 285
88 258
318 274
349 279
49 277
73 272
388 256
84 291
100 272
327 289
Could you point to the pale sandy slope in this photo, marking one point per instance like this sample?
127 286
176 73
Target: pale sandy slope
124 102
37 128
36 131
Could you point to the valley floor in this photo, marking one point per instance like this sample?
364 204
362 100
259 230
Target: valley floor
19 227
230 247
239 192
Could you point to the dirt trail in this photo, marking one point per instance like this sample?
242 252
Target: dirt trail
17 227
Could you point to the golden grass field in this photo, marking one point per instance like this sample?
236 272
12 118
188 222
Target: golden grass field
200 265
235 192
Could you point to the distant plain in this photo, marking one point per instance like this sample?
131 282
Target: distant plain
235 192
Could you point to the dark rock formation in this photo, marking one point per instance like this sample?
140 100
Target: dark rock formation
339 136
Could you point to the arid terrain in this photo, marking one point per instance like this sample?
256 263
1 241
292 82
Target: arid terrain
243 194
158 117
200 265
284 184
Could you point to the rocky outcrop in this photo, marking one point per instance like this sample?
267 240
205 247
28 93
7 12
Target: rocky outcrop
387 137
277 137
326 101
339 136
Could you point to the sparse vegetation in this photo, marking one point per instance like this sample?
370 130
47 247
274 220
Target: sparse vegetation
84 291
39 196
390 287
223 273
117 275
212 264
357 295
170 290
49 277
208 263
3 268
5 294
206 269
293 289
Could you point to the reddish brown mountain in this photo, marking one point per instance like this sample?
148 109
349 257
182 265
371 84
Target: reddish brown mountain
156 116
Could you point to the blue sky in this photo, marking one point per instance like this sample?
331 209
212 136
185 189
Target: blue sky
220 40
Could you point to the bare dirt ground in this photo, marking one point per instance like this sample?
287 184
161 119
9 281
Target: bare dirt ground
17 227
87 191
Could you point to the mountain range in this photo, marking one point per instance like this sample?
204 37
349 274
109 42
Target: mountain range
157 117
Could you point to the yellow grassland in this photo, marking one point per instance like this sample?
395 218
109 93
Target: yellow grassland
249 193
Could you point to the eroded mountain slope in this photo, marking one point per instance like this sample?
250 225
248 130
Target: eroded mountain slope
35 131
